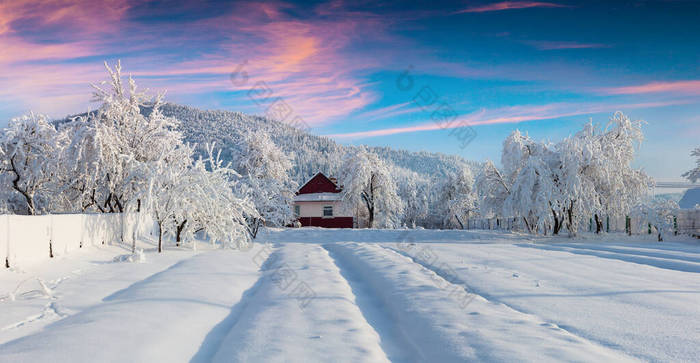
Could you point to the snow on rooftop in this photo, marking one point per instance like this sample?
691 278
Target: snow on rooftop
690 199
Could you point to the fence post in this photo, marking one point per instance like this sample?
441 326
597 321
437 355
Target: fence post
50 230
7 248
607 221
675 225
628 225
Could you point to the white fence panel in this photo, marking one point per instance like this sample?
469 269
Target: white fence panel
65 236
4 235
29 239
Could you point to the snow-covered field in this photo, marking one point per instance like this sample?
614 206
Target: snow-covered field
313 295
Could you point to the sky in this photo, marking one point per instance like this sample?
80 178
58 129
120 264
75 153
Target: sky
448 76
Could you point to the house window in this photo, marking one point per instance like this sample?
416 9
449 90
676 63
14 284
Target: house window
328 211
297 210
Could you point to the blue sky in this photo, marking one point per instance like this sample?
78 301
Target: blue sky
539 66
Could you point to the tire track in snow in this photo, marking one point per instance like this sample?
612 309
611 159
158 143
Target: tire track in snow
212 342
396 343
455 279
674 264
276 326
496 317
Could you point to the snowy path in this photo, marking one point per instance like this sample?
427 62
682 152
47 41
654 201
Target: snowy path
284 322
321 297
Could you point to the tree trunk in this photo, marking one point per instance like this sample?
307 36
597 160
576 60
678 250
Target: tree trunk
461 225
15 184
557 224
253 227
160 237
529 229
598 224
180 227
570 214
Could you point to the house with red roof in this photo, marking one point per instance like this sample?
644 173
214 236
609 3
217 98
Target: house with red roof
319 203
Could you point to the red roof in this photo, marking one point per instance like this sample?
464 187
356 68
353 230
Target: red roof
319 184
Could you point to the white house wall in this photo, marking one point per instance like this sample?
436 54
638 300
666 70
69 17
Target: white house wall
315 209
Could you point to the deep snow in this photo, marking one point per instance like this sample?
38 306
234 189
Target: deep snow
362 295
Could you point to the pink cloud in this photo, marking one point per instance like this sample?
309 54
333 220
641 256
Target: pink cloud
16 50
690 87
88 17
509 5
507 115
306 62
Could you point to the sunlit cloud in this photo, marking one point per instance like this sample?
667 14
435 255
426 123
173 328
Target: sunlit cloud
510 5
690 87
306 62
506 115
89 17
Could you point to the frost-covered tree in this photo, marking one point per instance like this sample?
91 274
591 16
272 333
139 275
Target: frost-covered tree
588 175
28 150
367 181
79 165
694 174
265 170
528 165
456 197
621 186
211 205
169 188
578 173
126 141
414 194
493 188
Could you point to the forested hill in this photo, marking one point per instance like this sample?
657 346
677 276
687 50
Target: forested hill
311 153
